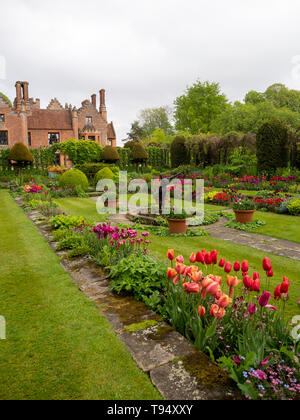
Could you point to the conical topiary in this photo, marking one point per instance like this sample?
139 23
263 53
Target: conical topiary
110 154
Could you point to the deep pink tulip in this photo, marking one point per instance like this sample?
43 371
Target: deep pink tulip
264 298
252 308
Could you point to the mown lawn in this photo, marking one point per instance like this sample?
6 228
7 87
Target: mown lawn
81 207
58 345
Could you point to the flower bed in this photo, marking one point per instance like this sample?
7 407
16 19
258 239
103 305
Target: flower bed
245 332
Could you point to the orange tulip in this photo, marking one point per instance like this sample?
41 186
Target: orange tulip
224 301
171 273
218 293
170 254
221 312
233 281
214 310
196 276
180 268
191 287
207 281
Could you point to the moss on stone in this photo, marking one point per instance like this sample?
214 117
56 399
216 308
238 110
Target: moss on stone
161 331
141 325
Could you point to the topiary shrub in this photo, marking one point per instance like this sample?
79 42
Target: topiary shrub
179 152
110 154
272 147
21 155
105 173
73 178
138 154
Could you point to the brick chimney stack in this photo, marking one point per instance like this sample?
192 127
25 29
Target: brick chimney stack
94 100
103 111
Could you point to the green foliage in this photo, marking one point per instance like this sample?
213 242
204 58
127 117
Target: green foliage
110 154
20 153
179 152
294 207
158 157
246 227
80 151
105 173
198 107
74 177
272 147
138 153
125 154
149 120
138 275
66 222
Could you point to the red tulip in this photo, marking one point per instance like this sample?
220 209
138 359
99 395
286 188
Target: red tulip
237 266
214 256
201 311
245 266
255 276
200 257
277 292
227 267
270 273
222 262
284 287
256 285
267 264
207 258
248 282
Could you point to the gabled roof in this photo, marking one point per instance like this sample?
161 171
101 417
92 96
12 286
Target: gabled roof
45 119
111 134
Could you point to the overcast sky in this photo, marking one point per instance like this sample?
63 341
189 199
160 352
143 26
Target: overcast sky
146 52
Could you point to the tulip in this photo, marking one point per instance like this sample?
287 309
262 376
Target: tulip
228 267
270 273
248 282
170 254
203 293
200 257
264 298
267 264
245 266
222 262
277 292
214 310
207 281
207 258
196 276
191 287
255 275
180 259
233 281
237 360
171 273
284 287
255 285
237 266
218 279
214 256
212 288
201 311
224 301
221 313
180 268
192 258
252 308
176 280
218 293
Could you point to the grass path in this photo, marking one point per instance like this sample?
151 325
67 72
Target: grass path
58 346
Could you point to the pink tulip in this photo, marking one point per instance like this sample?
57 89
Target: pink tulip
252 308
180 259
192 258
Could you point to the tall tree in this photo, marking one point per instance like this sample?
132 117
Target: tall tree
198 107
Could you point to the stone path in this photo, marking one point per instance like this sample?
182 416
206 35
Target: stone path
177 368
265 243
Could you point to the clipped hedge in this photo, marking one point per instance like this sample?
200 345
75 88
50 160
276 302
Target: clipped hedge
110 154
20 153
179 152
272 148
73 178
105 173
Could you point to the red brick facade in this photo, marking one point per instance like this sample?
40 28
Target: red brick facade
25 122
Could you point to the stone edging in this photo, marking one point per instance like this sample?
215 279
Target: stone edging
178 369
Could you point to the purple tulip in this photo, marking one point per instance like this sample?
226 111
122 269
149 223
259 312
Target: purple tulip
252 308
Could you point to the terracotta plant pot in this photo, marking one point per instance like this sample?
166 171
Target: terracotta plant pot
177 226
244 216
